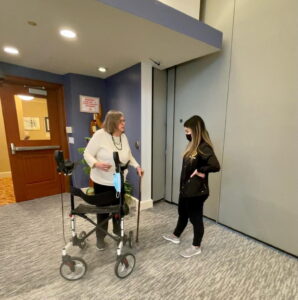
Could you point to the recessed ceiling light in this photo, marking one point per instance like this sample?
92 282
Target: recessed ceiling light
11 50
102 69
26 97
68 33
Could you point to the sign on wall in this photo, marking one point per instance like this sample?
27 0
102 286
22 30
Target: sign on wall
89 104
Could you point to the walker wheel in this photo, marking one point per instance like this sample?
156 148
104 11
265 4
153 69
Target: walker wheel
82 235
73 269
125 265
131 240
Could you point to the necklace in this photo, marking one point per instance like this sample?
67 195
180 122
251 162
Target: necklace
116 144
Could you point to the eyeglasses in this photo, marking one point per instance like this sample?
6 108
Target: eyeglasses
122 121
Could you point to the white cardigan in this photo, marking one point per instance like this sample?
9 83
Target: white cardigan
100 149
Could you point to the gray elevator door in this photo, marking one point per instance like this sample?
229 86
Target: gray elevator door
190 100
159 134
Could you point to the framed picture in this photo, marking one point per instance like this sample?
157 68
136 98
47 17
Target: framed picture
47 124
31 123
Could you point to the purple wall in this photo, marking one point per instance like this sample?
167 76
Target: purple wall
124 94
160 13
121 92
15 70
74 85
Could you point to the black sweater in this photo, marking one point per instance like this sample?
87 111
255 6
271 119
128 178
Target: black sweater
204 163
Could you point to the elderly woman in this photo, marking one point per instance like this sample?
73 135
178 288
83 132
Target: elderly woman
99 156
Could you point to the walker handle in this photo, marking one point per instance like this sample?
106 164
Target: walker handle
117 161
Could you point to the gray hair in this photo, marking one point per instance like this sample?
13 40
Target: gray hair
111 121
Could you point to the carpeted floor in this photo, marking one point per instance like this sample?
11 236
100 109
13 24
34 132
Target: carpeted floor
231 265
6 191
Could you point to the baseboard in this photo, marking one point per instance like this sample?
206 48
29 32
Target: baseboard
145 204
221 224
5 174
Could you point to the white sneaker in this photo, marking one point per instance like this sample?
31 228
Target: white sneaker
172 238
192 251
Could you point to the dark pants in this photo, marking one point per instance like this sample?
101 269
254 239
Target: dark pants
192 209
98 188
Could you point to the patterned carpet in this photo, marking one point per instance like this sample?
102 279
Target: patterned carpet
231 265
6 191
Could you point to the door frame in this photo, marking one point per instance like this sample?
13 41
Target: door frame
33 83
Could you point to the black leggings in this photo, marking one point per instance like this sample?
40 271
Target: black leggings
99 188
192 209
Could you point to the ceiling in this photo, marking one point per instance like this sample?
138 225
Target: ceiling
106 36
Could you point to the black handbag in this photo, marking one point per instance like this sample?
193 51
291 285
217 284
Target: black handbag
195 187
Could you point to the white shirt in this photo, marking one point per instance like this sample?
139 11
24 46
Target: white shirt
100 149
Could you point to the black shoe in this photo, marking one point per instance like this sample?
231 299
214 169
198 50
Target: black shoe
101 245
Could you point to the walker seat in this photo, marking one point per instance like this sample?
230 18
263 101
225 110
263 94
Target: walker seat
88 209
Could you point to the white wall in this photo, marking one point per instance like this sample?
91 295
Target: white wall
189 7
146 132
248 96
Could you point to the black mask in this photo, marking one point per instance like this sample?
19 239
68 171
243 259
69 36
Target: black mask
188 136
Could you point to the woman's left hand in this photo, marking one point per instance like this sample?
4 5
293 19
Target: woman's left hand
140 171
196 173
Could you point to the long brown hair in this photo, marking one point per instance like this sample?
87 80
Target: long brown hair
199 134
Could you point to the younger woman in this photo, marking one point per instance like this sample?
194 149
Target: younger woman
198 160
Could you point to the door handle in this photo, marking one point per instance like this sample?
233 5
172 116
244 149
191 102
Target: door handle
15 149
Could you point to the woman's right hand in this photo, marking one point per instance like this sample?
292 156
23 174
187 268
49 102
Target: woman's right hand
196 173
102 166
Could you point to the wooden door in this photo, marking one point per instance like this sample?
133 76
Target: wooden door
34 130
